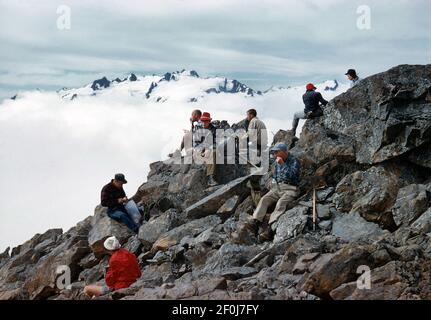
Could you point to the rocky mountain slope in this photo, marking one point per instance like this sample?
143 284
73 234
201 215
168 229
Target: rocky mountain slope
369 158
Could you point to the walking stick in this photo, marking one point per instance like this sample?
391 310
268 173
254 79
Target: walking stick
314 209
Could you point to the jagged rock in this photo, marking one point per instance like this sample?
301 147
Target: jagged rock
47 238
304 262
329 271
370 193
290 224
133 245
192 228
238 232
322 195
180 184
104 227
325 225
411 202
210 204
89 261
236 273
323 212
395 280
352 227
229 206
423 223
95 273
386 115
286 137
153 229
42 283
198 254
210 237
228 256
299 247
422 155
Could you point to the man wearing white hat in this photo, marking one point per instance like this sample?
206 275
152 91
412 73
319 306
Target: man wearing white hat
122 272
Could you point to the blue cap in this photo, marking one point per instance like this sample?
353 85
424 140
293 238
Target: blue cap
279 147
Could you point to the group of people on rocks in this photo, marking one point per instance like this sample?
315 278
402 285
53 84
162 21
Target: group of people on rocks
284 188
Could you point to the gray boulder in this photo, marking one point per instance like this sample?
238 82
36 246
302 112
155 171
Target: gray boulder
210 204
153 229
103 227
352 227
290 224
191 229
386 115
411 202
370 193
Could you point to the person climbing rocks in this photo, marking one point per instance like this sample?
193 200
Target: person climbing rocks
195 124
283 191
353 77
313 102
123 270
205 150
120 208
260 133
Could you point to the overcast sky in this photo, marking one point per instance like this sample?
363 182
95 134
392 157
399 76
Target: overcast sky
261 43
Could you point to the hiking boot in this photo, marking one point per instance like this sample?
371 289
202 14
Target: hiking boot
211 182
267 235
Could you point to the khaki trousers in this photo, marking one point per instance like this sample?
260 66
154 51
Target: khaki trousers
283 194
210 163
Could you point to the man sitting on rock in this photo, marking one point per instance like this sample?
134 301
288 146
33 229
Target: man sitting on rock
122 272
120 208
284 190
313 101
353 77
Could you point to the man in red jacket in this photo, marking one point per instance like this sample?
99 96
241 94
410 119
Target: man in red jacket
123 270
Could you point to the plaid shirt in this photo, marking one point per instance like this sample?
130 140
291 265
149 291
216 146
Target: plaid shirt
289 172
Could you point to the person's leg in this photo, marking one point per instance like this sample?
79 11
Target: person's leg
93 291
123 217
317 113
287 197
296 117
264 203
210 157
133 211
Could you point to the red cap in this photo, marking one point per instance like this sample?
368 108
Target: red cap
205 116
310 86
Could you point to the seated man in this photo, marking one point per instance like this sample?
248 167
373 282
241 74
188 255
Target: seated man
284 189
120 208
313 101
353 77
123 270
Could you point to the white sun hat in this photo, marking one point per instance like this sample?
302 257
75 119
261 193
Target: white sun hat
112 244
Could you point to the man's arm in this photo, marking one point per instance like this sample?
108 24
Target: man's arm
322 100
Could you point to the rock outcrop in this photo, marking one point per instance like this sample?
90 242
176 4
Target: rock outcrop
368 158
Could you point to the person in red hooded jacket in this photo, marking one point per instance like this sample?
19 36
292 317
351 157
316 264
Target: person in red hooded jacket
123 270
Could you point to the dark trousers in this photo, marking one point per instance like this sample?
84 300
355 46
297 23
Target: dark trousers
302 115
